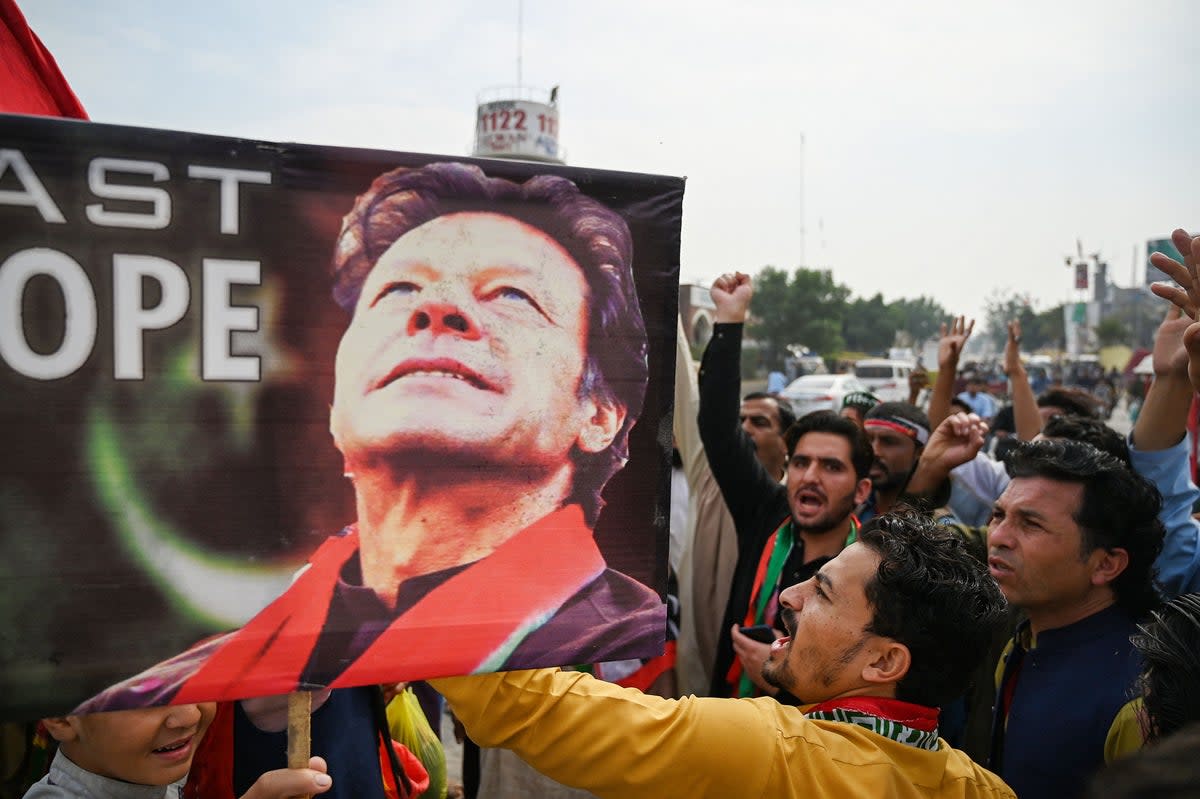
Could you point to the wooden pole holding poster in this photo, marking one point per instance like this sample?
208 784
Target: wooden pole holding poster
299 730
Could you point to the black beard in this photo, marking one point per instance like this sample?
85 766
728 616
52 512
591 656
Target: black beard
837 515
890 482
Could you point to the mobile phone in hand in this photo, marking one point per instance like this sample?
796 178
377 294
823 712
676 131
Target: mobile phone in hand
759 632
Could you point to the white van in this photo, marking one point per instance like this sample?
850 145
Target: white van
886 379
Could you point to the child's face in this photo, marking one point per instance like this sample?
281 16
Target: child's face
150 746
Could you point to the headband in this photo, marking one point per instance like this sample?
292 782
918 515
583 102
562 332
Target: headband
860 399
901 426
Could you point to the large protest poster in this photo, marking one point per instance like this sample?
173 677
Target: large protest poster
443 383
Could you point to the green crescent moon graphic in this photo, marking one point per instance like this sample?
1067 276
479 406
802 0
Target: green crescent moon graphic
217 591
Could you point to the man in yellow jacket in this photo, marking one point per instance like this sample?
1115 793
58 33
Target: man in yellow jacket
877 640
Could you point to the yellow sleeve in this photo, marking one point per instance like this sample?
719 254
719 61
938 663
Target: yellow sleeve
617 742
1125 734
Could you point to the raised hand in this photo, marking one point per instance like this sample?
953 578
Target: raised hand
957 440
731 293
1187 295
953 340
1012 348
1170 357
1186 298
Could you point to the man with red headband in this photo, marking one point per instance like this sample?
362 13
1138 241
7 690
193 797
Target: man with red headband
897 432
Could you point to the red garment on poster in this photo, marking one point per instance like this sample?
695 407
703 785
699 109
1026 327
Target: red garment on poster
30 80
268 655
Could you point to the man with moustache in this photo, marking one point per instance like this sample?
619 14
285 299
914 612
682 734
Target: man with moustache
785 531
878 639
1072 543
898 432
709 552
485 388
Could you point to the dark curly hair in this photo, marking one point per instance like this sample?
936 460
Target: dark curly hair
861 455
1073 401
1119 509
932 595
1169 643
595 236
1092 431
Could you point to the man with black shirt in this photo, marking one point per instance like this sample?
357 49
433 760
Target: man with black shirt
786 531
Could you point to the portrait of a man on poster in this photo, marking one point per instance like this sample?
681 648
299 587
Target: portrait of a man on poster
485 386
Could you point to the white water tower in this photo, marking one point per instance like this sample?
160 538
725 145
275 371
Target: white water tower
520 123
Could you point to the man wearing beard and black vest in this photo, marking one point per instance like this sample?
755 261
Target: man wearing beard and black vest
786 531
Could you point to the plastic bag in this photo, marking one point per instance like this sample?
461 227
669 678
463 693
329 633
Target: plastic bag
408 725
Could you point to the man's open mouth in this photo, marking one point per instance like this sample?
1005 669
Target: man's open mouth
809 499
437 368
787 618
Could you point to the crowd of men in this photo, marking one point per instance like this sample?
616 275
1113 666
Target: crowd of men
1085 534
872 602
1049 647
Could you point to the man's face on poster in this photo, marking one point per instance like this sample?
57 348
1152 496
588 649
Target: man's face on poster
468 340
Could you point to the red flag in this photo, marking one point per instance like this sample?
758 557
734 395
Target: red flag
30 81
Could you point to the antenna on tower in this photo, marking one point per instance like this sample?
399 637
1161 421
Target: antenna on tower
515 121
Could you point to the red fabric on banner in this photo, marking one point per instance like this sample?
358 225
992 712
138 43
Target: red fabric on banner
30 80
269 653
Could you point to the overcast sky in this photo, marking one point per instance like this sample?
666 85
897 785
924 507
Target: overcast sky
950 148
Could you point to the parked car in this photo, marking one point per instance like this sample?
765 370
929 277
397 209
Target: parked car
810 365
884 378
820 392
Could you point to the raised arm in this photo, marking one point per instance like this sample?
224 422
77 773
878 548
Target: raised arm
1025 411
1186 297
955 441
1162 422
744 482
950 347
1158 445
918 381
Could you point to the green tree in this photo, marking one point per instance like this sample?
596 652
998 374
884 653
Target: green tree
804 309
1044 330
1002 306
870 325
921 317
